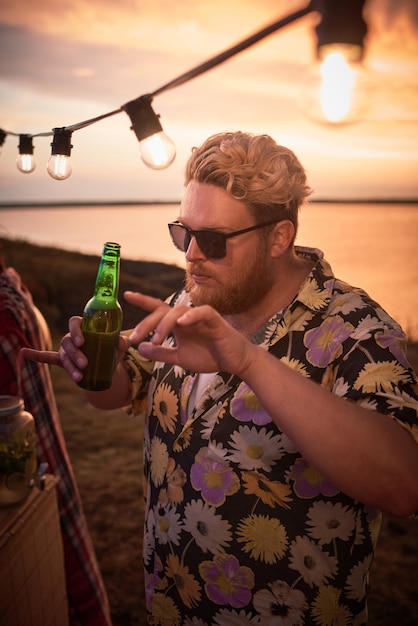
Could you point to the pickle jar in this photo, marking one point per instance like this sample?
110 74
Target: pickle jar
18 462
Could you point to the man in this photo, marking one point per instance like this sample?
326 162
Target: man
281 411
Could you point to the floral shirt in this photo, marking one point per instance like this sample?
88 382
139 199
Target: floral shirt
240 529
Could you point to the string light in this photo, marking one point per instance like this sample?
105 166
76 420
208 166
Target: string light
156 148
59 164
25 161
3 136
336 90
342 24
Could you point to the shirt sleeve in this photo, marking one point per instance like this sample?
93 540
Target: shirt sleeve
139 371
375 373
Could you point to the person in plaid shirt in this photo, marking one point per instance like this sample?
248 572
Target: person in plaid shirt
22 325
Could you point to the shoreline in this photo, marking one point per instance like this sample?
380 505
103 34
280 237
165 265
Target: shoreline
92 203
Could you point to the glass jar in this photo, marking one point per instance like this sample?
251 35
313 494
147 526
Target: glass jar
18 461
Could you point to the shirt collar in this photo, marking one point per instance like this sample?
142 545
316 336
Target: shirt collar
316 290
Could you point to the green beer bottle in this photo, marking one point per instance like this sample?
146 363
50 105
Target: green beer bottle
102 322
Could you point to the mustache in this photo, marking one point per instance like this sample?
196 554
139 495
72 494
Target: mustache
196 268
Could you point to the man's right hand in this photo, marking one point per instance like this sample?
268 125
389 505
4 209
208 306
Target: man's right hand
69 356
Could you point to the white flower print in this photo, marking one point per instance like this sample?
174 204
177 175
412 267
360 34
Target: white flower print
314 565
255 449
358 578
368 403
341 387
209 420
226 617
167 526
330 521
217 452
280 605
347 302
359 536
365 327
210 531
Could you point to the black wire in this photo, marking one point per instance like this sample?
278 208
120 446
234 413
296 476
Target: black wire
239 47
199 69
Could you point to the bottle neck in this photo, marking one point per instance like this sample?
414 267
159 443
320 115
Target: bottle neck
107 281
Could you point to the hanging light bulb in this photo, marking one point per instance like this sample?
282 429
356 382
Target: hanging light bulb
338 90
25 161
3 136
157 149
59 164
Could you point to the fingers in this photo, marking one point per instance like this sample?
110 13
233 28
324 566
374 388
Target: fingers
47 356
195 315
158 353
74 326
158 310
148 303
167 322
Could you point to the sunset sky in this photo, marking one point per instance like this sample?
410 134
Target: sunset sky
63 62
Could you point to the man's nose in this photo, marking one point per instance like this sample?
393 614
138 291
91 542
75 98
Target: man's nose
193 251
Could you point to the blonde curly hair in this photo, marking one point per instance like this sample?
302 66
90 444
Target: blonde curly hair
267 177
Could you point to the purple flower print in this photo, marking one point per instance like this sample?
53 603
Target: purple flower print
245 407
309 483
215 480
393 339
325 342
226 581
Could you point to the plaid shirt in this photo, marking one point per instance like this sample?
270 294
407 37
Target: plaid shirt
21 325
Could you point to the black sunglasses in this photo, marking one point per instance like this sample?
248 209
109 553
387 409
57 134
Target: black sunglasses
211 242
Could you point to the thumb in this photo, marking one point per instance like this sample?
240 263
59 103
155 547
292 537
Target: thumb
41 356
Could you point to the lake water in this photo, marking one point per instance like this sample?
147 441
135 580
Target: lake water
374 246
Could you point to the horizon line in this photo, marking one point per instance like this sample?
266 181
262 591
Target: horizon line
80 203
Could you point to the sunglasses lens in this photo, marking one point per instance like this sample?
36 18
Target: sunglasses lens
211 243
179 236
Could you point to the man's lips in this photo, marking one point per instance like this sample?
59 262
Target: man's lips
199 278
197 275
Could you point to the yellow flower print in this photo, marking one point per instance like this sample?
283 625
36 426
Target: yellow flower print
164 611
271 492
166 407
326 609
295 365
175 478
380 376
313 296
187 585
264 538
159 461
183 440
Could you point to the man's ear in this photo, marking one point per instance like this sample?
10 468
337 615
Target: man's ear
282 237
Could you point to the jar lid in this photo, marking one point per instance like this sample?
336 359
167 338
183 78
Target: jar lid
10 404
